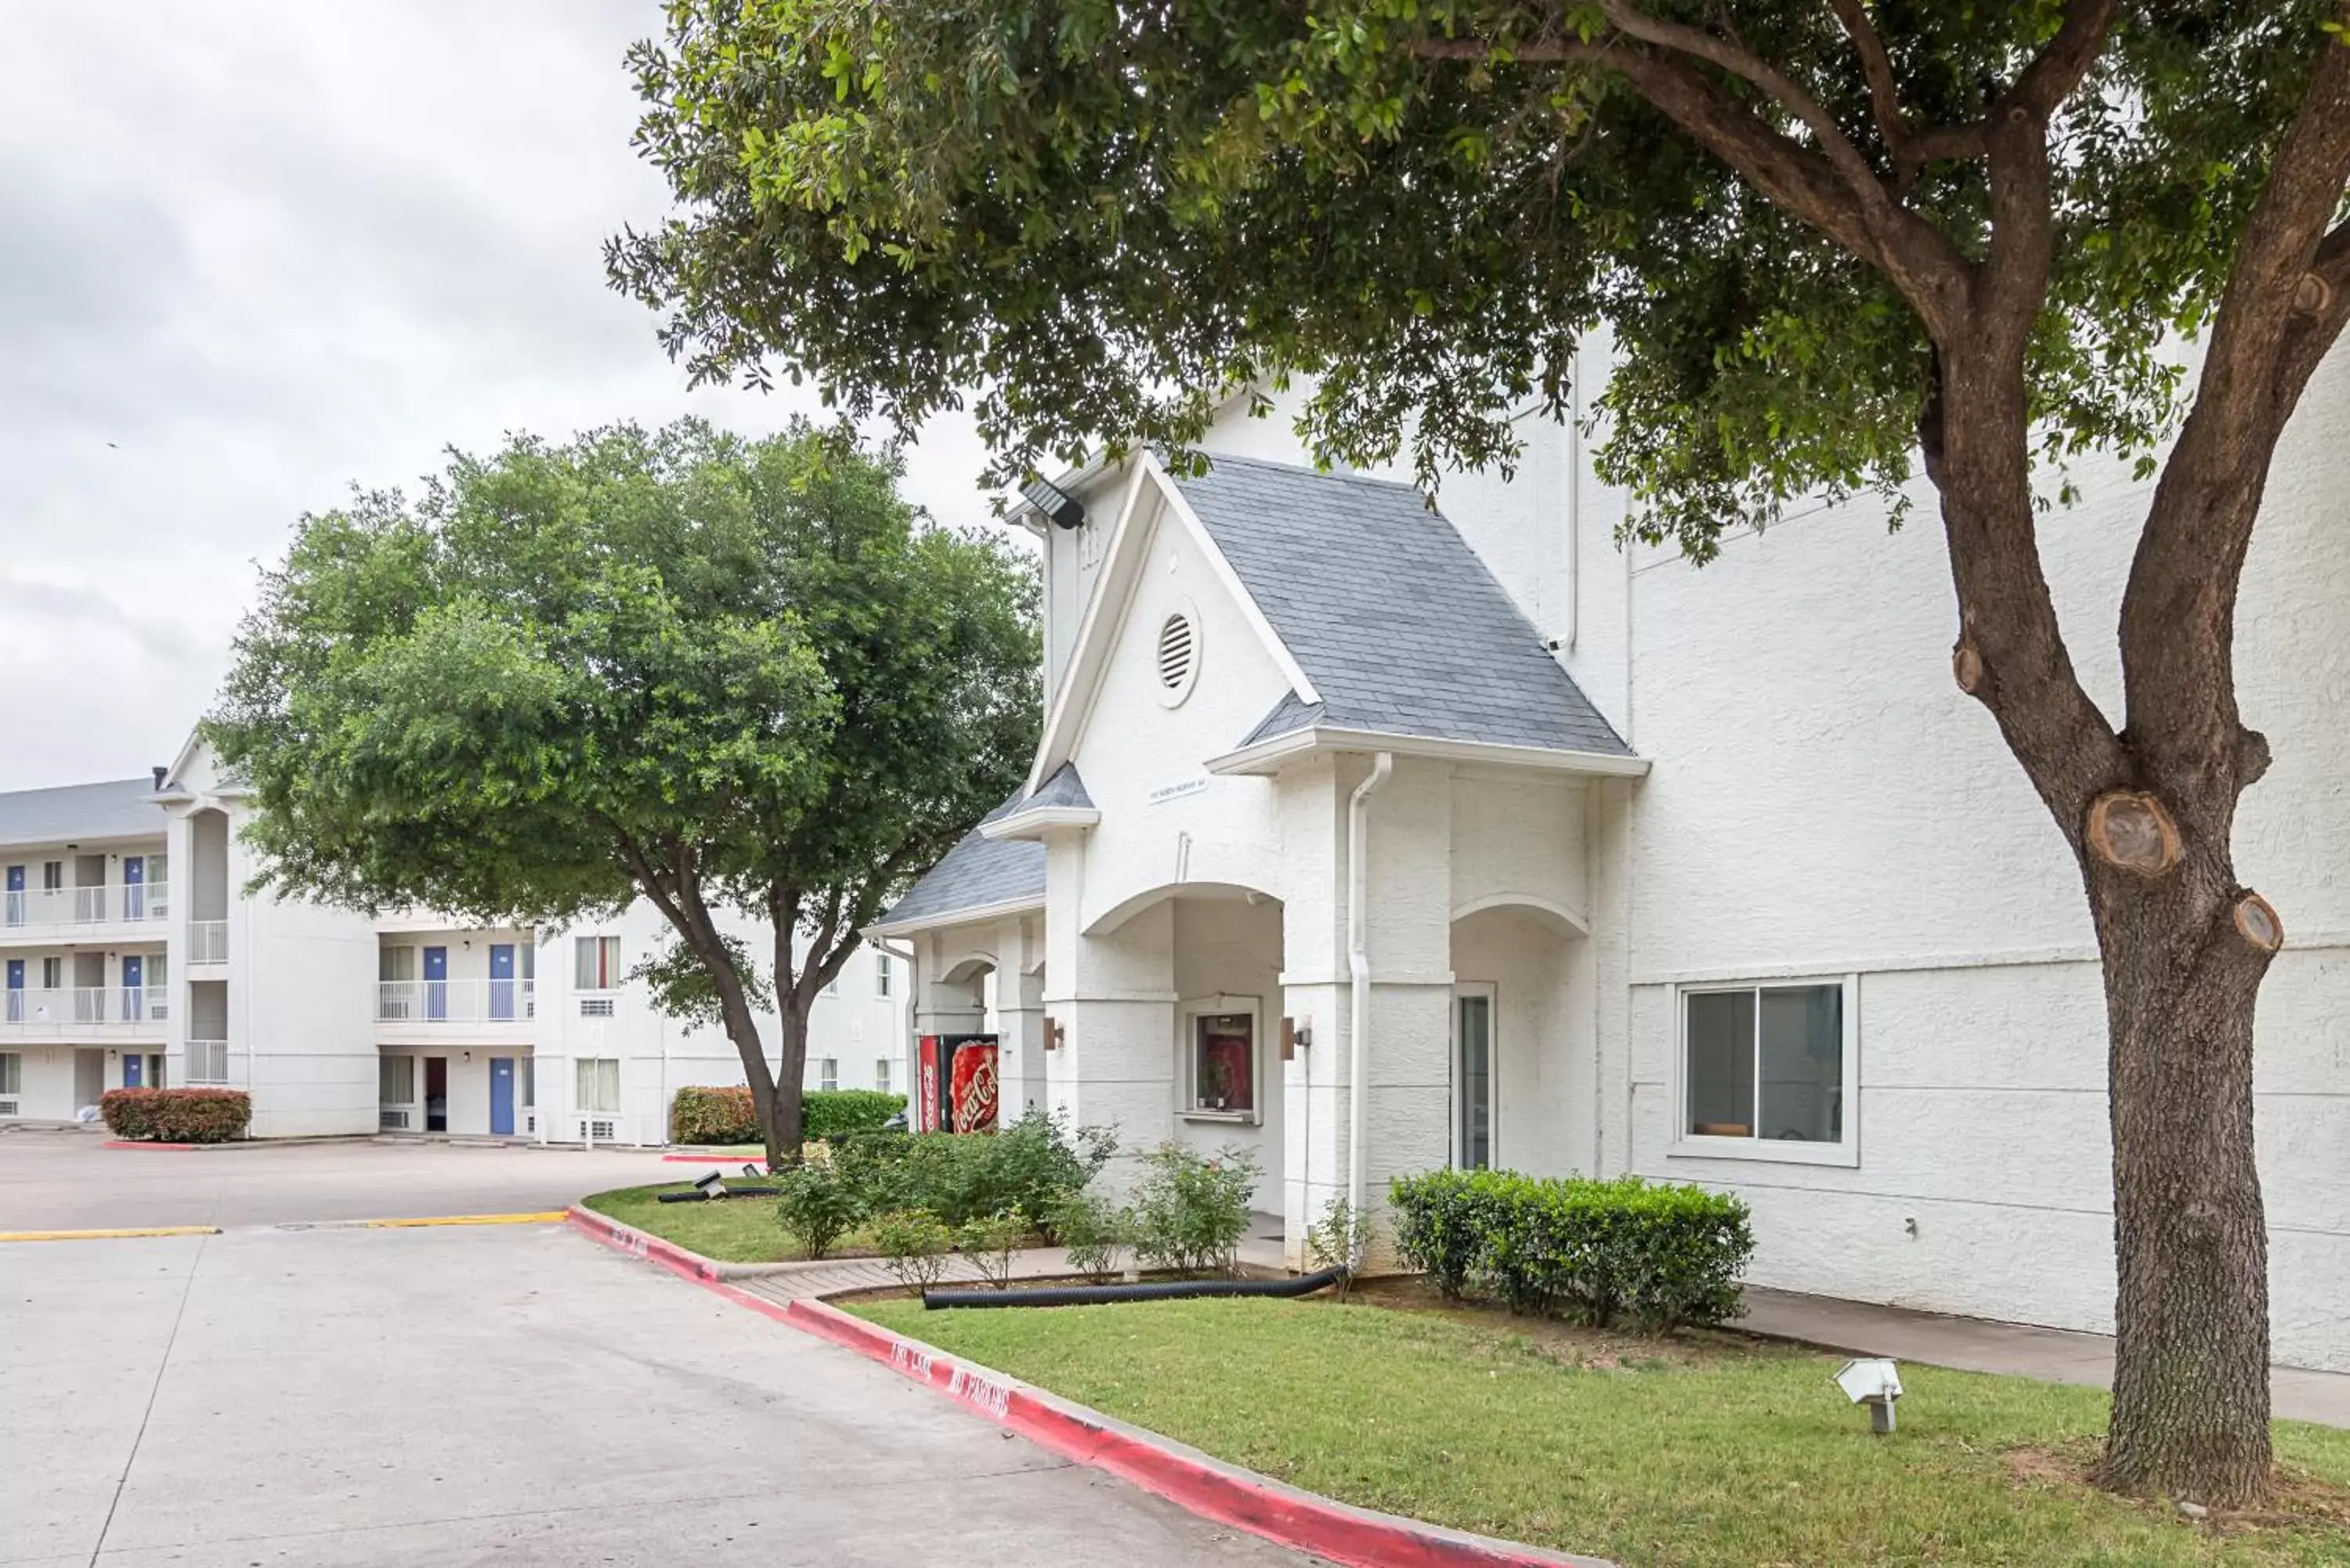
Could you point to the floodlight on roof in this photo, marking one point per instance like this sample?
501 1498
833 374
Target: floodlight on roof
1065 509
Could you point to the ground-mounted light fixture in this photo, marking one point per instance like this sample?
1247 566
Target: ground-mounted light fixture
1875 1381
1065 509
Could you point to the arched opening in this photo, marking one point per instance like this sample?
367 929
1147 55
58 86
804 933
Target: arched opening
1520 1041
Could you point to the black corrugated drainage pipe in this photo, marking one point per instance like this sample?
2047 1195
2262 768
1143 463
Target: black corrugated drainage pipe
1154 1291
704 1197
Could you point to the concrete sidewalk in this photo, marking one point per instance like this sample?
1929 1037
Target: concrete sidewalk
1977 1345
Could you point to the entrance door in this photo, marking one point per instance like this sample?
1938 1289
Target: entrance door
436 983
16 991
133 1068
134 888
436 1093
134 987
501 1094
502 979
1473 1077
89 1077
15 899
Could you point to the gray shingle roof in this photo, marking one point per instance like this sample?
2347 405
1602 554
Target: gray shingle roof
1063 788
977 872
117 809
1389 613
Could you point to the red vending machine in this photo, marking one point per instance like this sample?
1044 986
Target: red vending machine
958 1087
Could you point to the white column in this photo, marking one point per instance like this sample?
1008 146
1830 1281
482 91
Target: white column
1114 997
1020 1015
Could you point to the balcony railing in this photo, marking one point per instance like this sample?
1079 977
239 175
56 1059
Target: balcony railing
91 1004
208 941
208 1061
127 901
455 1001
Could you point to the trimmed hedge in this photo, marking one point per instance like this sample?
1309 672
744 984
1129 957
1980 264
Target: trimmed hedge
1624 1251
176 1115
724 1114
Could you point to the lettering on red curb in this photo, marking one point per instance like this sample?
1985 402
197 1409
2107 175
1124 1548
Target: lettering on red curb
911 1362
984 1394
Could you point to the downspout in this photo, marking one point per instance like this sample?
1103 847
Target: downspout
1358 973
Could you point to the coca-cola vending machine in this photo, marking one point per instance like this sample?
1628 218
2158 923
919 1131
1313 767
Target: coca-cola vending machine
958 1088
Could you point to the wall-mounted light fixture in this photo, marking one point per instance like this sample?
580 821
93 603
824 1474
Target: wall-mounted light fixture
1053 1033
1065 509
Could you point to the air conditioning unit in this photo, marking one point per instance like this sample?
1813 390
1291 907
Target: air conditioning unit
603 1132
530 1122
595 1007
8 1108
394 1121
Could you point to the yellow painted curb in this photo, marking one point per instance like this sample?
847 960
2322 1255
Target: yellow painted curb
107 1235
553 1217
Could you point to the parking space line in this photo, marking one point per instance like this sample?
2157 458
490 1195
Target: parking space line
110 1235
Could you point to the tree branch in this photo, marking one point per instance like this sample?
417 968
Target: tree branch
2286 303
2053 75
1884 96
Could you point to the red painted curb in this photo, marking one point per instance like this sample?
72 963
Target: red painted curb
1289 1517
142 1143
642 1244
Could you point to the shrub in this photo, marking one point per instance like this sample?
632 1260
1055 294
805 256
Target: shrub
1651 1255
834 1114
915 1245
1029 1166
816 1205
1094 1229
989 1243
1341 1238
1192 1210
177 1115
1431 1228
723 1114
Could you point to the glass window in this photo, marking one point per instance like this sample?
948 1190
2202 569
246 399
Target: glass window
396 1080
1223 1062
881 1073
881 975
529 1067
598 1080
395 966
1765 1062
828 1073
1473 1082
599 963
12 1073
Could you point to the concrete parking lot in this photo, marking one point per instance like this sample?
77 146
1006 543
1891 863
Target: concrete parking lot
515 1394
61 1180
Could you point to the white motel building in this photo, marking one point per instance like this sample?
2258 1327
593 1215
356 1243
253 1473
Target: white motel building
1360 830
133 954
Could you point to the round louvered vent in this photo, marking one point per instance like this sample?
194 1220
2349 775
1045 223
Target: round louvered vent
1179 657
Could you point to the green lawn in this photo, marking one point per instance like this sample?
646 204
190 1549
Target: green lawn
1729 1453
736 1230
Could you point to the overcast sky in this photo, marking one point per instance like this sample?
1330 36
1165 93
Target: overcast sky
252 253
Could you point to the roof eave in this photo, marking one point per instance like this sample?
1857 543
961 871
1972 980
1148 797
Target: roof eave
976 913
1275 753
1037 821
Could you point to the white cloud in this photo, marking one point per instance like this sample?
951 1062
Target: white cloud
256 250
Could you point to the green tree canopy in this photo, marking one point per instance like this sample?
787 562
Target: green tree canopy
1829 242
740 678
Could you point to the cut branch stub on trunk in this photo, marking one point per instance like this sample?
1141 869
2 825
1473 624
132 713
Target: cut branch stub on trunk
1967 668
2258 922
2133 832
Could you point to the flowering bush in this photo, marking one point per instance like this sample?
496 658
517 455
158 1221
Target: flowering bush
1192 1210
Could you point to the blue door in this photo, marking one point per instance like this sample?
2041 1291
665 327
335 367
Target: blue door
134 889
15 900
133 1065
501 1094
502 979
436 982
16 991
134 987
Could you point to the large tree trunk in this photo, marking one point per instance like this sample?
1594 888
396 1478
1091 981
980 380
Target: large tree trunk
2190 1414
784 1123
